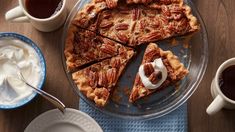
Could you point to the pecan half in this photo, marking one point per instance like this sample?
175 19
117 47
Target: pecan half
182 26
155 77
89 55
165 10
108 42
148 69
150 37
116 63
111 75
143 23
106 14
108 49
122 37
106 24
93 79
122 26
102 79
135 14
152 55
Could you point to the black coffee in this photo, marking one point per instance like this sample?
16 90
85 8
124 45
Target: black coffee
227 82
43 8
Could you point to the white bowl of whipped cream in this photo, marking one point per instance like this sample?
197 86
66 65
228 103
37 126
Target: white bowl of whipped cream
28 57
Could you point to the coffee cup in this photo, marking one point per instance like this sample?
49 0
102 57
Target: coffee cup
223 88
21 14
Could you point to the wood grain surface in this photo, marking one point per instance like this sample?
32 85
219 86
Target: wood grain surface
219 18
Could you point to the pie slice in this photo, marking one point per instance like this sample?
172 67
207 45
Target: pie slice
84 47
175 71
97 81
135 24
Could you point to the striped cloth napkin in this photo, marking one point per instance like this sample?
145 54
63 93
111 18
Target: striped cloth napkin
175 121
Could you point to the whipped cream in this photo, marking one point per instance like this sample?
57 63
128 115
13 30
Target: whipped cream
12 89
158 66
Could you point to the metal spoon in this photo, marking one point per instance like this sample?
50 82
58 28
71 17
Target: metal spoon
56 102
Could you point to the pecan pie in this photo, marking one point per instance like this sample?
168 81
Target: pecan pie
175 71
98 33
83 47
97 81
135 24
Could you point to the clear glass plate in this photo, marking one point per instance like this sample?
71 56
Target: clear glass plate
192 52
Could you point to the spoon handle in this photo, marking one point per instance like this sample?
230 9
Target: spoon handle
56 102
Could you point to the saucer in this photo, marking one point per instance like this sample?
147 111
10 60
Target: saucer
71 121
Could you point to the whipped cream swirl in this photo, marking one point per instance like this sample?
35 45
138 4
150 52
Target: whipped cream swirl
158 66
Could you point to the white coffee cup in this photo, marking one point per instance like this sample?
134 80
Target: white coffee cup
20 14
220 100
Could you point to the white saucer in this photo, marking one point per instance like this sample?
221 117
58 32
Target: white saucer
72 121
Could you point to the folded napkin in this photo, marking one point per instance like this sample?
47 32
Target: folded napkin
175 121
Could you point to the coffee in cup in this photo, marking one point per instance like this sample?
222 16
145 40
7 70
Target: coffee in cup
227 82
43 8
44 15
223 88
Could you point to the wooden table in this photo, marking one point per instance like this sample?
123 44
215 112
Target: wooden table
220 22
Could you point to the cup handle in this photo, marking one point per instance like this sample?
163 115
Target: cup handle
215 106
16 15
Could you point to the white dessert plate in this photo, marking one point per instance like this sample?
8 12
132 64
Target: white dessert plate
71 121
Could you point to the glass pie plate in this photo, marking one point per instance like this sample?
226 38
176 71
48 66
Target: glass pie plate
192 52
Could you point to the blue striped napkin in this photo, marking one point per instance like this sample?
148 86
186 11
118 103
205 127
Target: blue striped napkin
175 121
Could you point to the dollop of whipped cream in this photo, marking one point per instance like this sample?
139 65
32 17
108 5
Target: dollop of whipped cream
16 52
158 67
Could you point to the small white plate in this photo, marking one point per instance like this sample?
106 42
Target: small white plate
72 121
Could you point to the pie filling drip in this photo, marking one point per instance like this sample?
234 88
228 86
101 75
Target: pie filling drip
153 74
